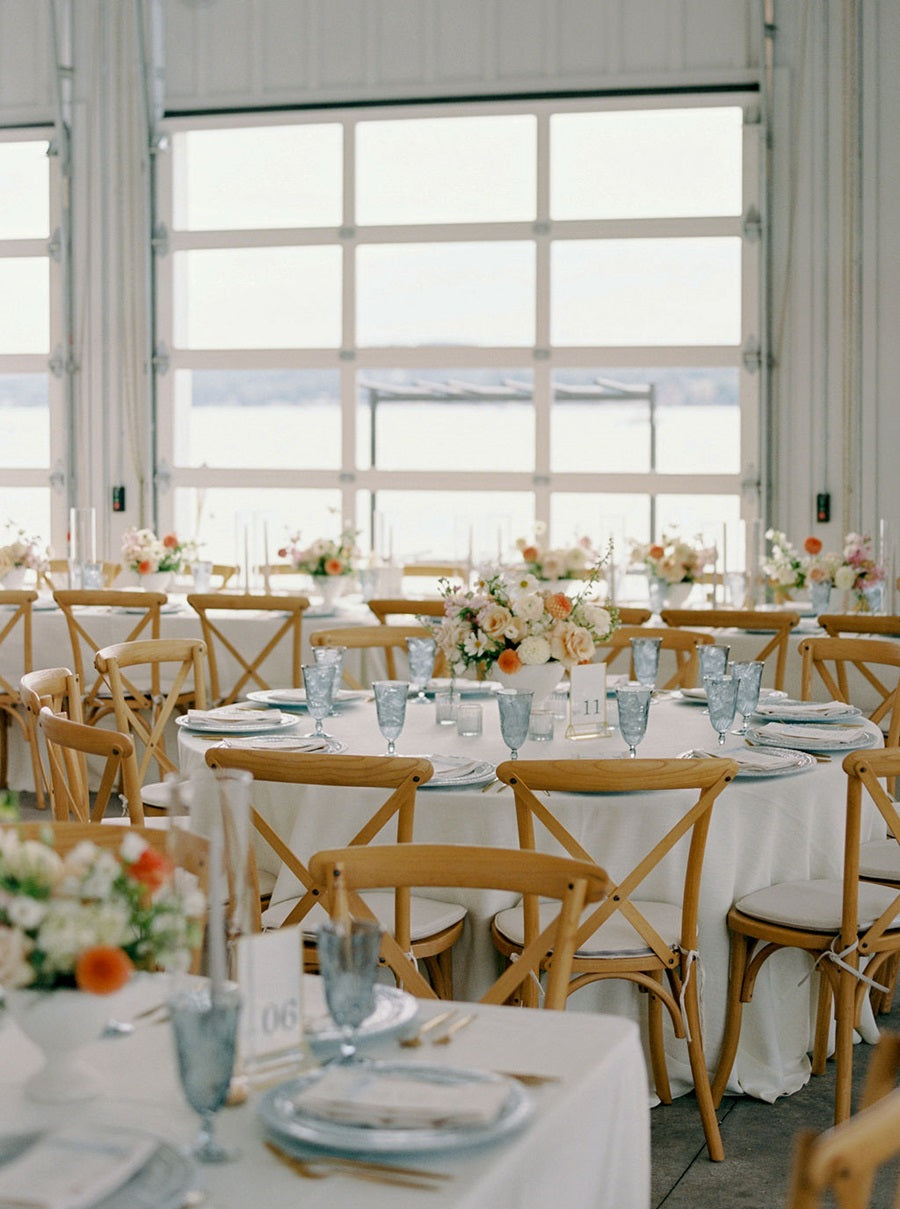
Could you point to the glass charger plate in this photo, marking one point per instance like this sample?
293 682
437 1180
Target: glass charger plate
251 728
162 1182
785 762
785 711
295 698
812 743
394 1010
281 1116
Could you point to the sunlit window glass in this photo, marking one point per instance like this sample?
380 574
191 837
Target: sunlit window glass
25 208
24 305
646 291
258 297
645 163
261 176
445 293
448 170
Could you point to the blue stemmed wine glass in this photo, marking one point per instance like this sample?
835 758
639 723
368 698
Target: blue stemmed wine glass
421 665
320 680
390 709
721 702
645 657
204 1023
749 678
348 960
713 659
515 716
633 703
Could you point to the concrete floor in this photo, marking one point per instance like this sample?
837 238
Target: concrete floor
758 1137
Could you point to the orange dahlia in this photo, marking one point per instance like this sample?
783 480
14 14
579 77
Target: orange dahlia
102 969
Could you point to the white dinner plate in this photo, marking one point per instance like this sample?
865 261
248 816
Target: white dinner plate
295 698
162 1182
251 728
283 1117
699 694
756 763
394 1010
803 737
456 771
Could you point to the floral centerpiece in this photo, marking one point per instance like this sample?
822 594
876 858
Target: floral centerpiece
567 562
783 569
23 553
673 558
507 621
322 556
87 919
147 554
820 566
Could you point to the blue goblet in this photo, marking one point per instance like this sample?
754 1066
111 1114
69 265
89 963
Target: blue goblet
320 680
721 701
749 677
421 665
713 659
515 715
205 1029
633 703
390 708
348 961
645 657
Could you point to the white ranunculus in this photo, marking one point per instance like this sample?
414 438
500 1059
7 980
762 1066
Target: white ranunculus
14 968
844 578
534 650
529 606
25 912
597 617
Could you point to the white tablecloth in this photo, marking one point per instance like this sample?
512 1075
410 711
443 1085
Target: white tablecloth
762 831
587 1146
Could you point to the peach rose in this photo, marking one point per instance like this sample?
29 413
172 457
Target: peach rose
493 620
333 566
570 644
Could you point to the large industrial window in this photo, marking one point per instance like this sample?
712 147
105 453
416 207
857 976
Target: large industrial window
450 323
31 444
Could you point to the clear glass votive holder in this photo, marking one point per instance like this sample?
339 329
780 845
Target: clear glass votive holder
559 704
446 704
469 721
541 725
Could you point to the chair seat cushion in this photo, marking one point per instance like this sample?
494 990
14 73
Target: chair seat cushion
428 916
814 905
881 859
615 938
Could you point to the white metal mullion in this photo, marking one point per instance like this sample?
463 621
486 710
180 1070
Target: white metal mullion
348 367
56 394
164 273
542 387
749 378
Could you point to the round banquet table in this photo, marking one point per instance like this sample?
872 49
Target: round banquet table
763 830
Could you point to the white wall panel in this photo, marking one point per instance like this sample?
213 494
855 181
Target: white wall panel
25 94
461 46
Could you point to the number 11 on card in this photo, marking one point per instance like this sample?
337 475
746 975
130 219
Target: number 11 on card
587 702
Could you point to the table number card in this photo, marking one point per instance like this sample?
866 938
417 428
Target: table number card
270 975
587 702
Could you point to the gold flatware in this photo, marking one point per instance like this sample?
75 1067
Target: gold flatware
529 1080
379 1173
447 1036
818 759
416 1038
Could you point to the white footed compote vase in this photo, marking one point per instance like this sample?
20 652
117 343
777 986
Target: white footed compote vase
329 587
539 679
156 581
61 1023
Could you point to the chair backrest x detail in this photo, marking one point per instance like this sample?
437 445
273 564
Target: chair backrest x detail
68 746
779 621
829 660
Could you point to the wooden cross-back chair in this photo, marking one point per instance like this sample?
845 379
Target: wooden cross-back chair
837 921
432 926
835 624
68 746
184 849
385 638
573 883
56 574
829 661
845 1159
633 616
774 644
284 639
84 627
682 644
176 668
652 944
57 688
224 571
15 626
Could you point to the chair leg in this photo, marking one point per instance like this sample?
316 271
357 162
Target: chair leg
823 1026
657 1047
440 972
845 1019
733 1014
702 1088
883 1001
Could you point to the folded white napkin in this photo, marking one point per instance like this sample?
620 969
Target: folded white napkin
828 735
232 715
291 696
754 759
358 1096
804 709
451 767
74 1167
279 743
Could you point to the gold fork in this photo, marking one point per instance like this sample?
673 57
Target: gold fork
378 1173
416 1038
447 1036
